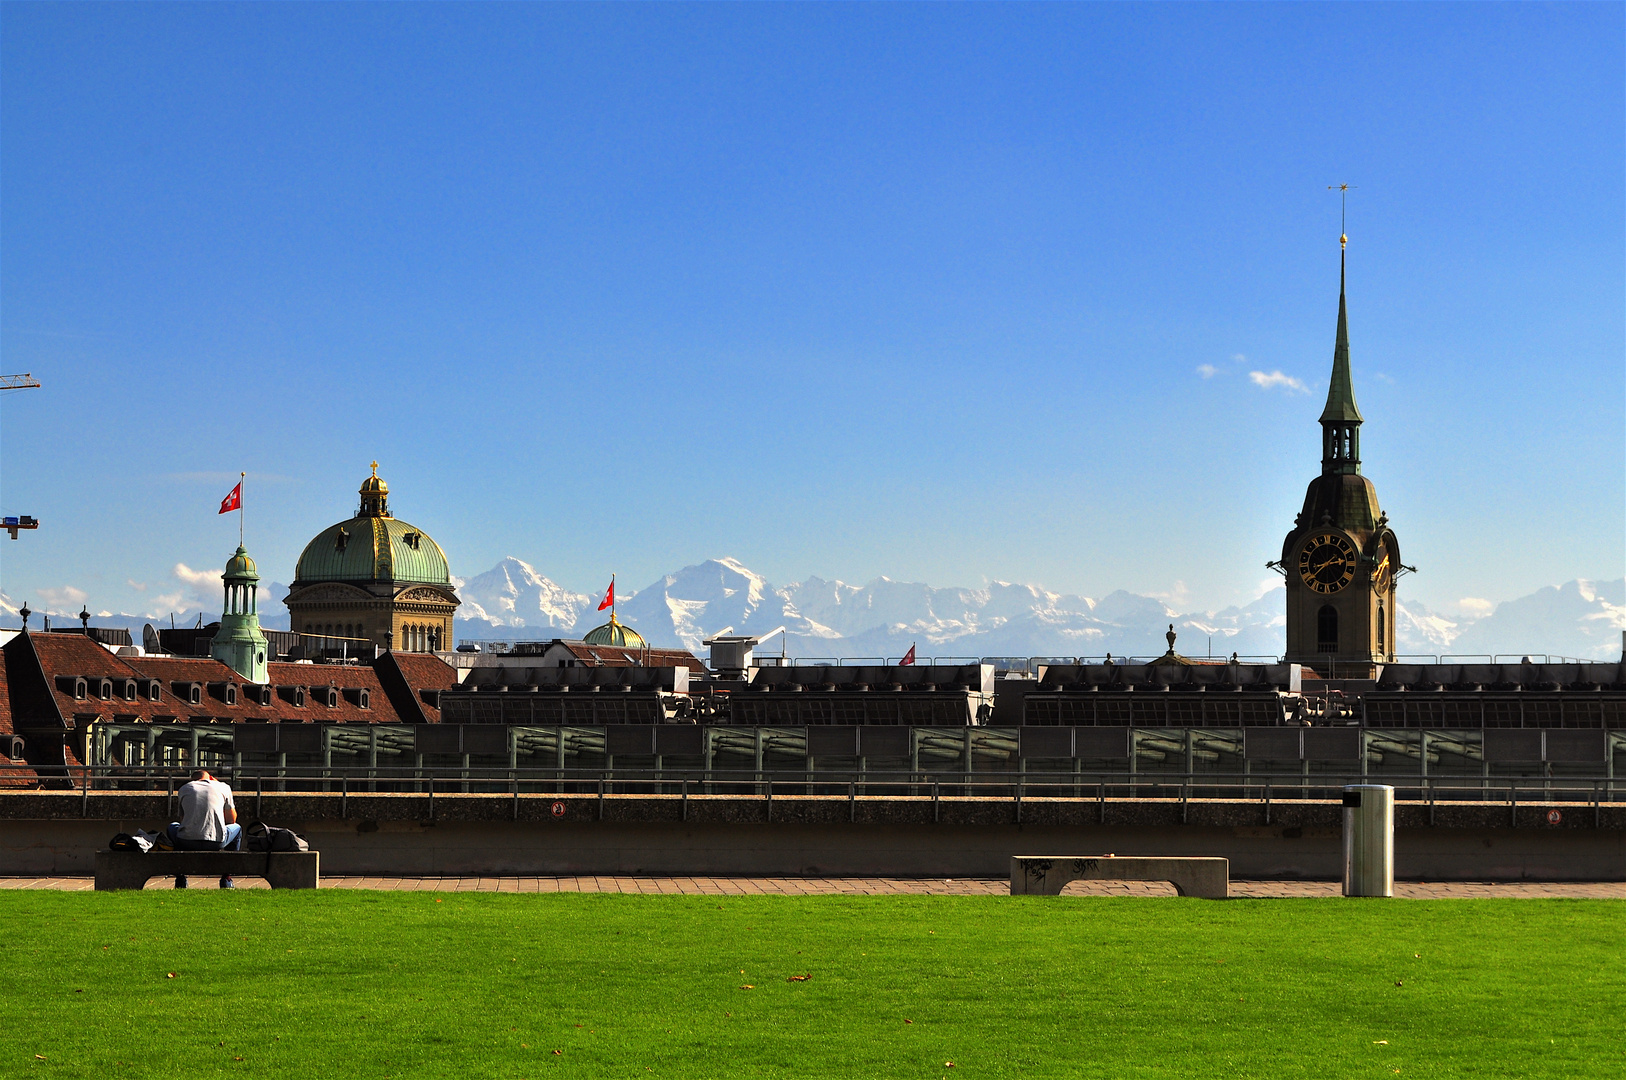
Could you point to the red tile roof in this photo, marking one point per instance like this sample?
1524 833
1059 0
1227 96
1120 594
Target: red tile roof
407 677
73 656
5 704
617 656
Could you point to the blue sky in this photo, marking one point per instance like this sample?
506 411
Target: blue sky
943 293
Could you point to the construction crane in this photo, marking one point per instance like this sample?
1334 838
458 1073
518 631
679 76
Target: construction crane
9 383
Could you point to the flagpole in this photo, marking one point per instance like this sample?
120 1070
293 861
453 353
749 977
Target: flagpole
242 478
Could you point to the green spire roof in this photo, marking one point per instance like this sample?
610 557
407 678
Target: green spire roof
1341 394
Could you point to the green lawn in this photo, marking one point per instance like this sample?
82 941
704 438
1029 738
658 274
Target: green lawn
349 983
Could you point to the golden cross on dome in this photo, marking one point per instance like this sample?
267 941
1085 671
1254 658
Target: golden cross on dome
375 468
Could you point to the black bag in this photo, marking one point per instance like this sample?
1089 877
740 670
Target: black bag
262 837
124 842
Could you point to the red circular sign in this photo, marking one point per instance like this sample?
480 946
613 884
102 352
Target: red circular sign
558 809
1554 817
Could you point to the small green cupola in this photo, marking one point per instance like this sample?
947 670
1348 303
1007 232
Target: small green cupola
616 634
240 644
1341 419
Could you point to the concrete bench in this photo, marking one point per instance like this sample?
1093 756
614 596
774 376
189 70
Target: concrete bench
283 869
1047 875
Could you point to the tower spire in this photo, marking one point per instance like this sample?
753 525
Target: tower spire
1341 419
1341 391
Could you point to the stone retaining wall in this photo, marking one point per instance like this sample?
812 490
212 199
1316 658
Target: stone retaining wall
48 833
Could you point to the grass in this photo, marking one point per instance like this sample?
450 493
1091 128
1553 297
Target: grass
362 984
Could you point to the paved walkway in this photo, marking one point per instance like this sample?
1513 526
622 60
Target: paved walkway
857 886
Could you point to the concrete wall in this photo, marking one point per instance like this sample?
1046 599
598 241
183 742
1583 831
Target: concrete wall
457 845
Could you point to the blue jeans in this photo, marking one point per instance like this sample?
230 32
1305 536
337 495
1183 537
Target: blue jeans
233 840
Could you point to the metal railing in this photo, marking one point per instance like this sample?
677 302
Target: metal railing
254 782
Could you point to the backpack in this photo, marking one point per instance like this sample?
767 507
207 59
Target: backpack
262 837
125 842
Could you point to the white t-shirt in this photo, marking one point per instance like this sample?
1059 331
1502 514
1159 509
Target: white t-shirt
203 810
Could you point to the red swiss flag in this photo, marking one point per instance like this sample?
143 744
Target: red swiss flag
908 658
234 501
609 596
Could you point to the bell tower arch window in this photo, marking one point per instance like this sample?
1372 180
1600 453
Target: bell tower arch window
1326 629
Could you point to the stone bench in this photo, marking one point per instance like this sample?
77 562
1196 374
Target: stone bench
283 869
1047 875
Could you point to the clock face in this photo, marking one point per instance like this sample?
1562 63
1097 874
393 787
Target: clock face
1327 562
1382 574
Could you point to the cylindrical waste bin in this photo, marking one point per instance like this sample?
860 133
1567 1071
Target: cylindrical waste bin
1369 840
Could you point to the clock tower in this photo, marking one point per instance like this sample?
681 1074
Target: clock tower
1341 558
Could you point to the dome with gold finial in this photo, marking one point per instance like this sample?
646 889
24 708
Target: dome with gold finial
615 634
373 546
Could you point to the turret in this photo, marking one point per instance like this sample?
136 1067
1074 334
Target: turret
240 644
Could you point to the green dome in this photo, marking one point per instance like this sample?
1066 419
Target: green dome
373 546
241 566
367 548
613 633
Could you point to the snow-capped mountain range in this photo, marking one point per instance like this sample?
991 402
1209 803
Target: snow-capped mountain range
513 601
884 617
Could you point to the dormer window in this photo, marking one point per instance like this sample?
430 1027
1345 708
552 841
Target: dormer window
105 690
342 540
412 539
130 692
194 694
155 690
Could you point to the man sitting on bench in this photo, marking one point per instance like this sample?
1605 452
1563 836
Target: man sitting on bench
208 821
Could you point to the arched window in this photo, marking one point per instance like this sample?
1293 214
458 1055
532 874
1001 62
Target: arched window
1326 629
1383 639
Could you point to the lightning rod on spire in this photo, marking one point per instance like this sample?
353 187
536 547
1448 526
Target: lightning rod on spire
1343 203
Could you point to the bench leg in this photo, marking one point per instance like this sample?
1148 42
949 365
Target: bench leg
300 873
1211 882
1037 878
114 874
109 880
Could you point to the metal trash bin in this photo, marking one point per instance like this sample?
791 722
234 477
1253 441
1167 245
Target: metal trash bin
1369 840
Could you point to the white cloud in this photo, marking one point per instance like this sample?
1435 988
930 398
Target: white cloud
65 597
1207 371
1239 358
138 586
1273 379
1474 607
197 577
1179 596
1268 585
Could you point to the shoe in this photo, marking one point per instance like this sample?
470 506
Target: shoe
227 883
180 882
